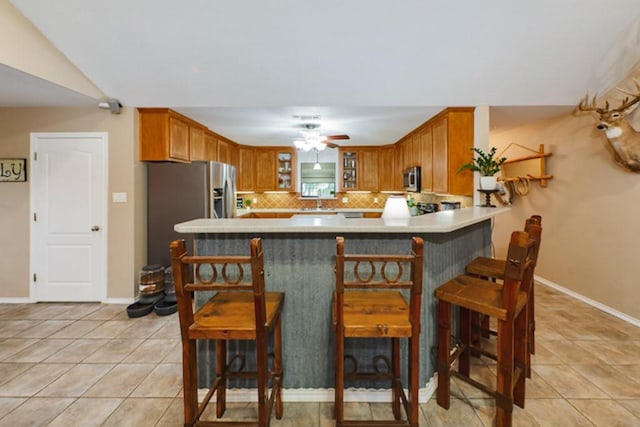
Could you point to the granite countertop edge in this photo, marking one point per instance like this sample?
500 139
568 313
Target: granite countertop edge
439 222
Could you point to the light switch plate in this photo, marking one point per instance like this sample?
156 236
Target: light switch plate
119 197
345 200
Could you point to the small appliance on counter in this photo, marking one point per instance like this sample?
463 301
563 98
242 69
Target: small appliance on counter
446 205
426 208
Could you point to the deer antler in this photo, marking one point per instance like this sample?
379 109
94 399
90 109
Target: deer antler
592 106
626 103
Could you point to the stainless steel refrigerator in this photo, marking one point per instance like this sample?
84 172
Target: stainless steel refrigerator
178 192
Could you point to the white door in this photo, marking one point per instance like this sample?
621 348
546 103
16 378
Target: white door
68 204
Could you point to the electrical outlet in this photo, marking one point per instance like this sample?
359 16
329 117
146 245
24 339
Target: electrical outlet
255 200
375 200
345 200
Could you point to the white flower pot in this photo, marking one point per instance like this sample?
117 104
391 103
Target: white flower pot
488 182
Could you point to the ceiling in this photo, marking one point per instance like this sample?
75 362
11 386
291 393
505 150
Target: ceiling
373 69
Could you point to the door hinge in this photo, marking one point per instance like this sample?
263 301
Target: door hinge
35 277
35 216
35 155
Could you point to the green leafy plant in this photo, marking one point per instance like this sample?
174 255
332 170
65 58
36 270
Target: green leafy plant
484 162
247 202
411 203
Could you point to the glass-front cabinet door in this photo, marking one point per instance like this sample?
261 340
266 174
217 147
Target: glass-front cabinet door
285 163
349 170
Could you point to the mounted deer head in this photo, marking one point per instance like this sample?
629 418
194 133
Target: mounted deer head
624 140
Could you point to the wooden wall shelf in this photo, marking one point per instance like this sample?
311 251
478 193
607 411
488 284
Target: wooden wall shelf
530 167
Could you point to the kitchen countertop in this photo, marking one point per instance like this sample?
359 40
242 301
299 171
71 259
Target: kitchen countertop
438 222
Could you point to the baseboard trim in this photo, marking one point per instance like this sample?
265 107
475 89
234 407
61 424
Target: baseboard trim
325 394
612 311
118 301
16 300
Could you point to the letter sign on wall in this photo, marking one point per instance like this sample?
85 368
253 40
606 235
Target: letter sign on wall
13 170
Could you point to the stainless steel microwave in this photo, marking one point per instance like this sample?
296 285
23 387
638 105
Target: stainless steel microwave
411 179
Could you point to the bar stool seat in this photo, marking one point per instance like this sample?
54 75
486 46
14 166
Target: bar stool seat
366 312
230 315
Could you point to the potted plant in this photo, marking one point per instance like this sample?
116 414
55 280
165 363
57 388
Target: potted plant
487 165
247 203
412 206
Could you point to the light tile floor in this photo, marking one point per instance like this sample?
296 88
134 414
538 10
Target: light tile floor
88 364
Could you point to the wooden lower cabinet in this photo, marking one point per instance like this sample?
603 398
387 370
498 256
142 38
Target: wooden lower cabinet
372 214
267 215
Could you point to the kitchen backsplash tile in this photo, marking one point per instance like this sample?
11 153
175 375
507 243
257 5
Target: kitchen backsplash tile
354 200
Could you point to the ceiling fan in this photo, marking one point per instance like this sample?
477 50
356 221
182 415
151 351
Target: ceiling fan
313 140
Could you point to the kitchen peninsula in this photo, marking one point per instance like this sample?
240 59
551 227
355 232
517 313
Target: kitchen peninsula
299 255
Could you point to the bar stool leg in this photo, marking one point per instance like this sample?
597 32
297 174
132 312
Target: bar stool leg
395 363
464 330
414 360
190 382
504 387
444 361
531 322
221 364
339 398
521 356
277 366
262 368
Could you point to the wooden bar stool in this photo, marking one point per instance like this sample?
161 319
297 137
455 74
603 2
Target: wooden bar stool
493 269
507 303
240 310
369 303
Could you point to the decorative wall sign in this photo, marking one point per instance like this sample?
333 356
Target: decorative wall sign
13 170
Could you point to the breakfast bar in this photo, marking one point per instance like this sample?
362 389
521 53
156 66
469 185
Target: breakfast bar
299 256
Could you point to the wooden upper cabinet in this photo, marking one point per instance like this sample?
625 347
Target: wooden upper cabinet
225 152
426 162
440 163
415 157
452 143
164 135
210 145
197 149
246 168
285 164
265 169
387 180
368 170
274 169
358 168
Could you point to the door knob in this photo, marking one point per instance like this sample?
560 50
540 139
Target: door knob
95 228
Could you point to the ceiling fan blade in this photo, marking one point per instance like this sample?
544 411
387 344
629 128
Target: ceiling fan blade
330 144
336 137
